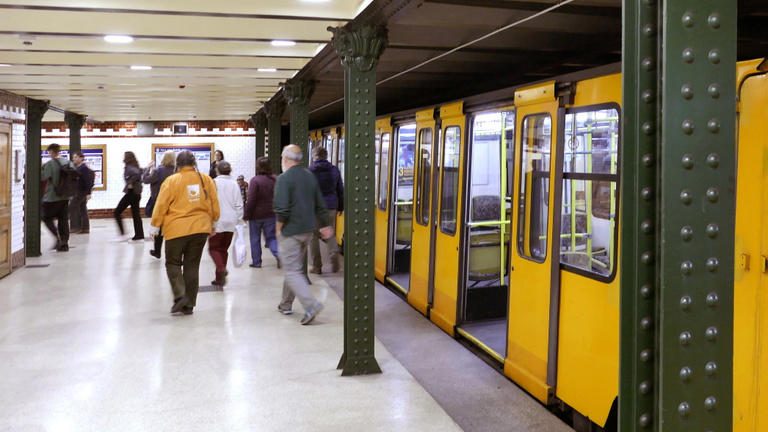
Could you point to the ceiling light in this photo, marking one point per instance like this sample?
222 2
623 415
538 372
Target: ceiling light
4 65
139 67
267 70
118 39
283 43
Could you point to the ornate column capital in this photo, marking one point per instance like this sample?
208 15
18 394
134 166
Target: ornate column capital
359 48
74 121
37 108
274 107
298 92
259 119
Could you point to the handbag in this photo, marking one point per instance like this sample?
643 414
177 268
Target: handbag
240 250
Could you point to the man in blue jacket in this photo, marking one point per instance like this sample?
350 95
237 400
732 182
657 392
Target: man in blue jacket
332 188
78 206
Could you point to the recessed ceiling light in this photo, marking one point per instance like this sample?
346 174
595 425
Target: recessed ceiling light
283 43
267 70
118 39
140 67
4 65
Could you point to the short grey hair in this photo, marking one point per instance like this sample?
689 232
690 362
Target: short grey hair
224 168
294 156
185 158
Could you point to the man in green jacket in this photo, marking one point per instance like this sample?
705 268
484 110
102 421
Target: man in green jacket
54 205
299 208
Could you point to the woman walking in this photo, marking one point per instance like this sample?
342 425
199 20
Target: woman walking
231 213
218 156
132 198
154 177
186 209
259 213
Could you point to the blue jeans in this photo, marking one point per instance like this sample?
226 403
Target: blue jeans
256 227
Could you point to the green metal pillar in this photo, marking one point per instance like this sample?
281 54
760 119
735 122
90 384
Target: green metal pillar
678 207
359 50
259 121
74 122
274 109
35 111
298 93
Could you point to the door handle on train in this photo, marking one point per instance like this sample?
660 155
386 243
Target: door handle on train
764 263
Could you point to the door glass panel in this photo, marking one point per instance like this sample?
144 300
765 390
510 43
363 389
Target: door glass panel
384 171
425 176
403 215
533 216
590 182
449 173
341 158
376 160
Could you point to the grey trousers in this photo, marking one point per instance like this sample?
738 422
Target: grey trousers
293 252
333 247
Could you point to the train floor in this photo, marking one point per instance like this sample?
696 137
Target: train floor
87 344
493 333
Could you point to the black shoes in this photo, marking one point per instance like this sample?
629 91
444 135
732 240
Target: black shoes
62 248
179 304
155 254
188 310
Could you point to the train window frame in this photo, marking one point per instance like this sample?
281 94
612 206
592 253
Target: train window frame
521 238
563 176
442 180
420 198
384 174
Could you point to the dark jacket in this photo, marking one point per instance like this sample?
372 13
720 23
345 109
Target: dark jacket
331 185
155 177
213 173
85 182
299 204
132 176
261 192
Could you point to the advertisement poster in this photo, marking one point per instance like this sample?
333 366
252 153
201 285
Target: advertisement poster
202 152
95 158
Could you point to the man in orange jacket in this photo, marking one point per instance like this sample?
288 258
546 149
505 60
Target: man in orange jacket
186 209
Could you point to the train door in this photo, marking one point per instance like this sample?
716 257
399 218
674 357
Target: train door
423 215
528 343
401 212
5 198
485 278
340 166
449 209
750 371
383 162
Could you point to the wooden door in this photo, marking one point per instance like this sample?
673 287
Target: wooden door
5 198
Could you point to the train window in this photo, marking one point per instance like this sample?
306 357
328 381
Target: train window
376 161
449 172
425 176
509 140
590 184
486 166
533 216
340 163
384 170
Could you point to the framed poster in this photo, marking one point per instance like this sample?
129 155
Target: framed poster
203 153
96 159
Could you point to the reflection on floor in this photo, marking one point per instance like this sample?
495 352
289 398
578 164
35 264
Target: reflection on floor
493 333
402 279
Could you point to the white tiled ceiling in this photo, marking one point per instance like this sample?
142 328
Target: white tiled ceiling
205 55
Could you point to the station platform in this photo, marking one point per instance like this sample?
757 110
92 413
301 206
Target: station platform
88 344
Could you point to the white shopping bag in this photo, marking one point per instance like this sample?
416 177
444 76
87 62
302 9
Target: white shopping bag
240 250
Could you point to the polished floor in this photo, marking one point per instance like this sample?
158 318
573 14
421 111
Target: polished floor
87 344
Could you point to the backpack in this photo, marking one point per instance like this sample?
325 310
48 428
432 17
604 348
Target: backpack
68 179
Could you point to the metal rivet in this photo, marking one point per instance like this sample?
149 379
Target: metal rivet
712 230
686 302
646 258
687 91
648 128
714 56
686 197
684 409
646 227
645 355
688 19
710 403
645 387
714 90
686 233
713 194
687 161
688 55
713 126
646 291
714 21
647 96
646 193
686 267
687 126
711 334
713 299
648 63
646 323
686 373
645 420
712 264
710 368
685 338
649 30
648 160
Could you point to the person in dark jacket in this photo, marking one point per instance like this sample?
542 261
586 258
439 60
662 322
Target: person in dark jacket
259 213
132 198
154 176
78 206
218 156
332 187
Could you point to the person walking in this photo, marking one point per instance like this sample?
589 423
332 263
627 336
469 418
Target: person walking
299 206
218 156
131 197
231 213
154 176
55 206
78 206
186 209
243 187
259 212
332 188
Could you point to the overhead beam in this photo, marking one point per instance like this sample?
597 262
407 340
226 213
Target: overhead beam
606 11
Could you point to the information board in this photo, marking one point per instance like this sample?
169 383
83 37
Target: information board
96 159
202 152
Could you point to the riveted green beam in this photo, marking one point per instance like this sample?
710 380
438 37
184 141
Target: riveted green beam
274 109
74 122
259 121
298 93
35 111
359 50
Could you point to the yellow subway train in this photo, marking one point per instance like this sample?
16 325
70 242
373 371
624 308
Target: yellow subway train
497 218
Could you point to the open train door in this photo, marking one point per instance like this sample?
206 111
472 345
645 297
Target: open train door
383 162
5 199
531 246
750 371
